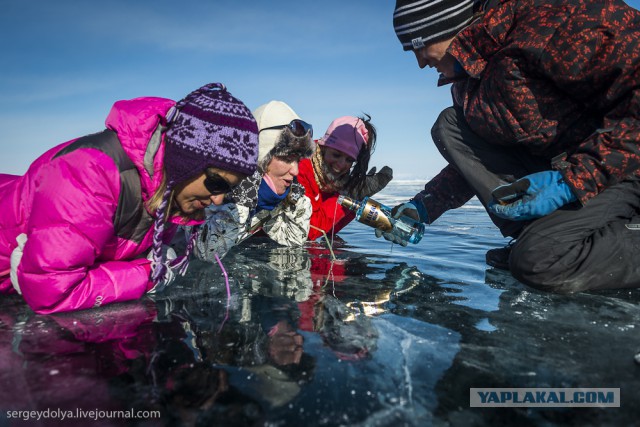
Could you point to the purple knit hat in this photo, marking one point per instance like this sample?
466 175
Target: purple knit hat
208 128
211 129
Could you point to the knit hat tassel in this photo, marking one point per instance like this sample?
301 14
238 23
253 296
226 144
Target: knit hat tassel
182 263
158 268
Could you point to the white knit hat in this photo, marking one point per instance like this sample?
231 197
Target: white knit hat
278 142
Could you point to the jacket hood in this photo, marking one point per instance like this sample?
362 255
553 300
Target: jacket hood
140 123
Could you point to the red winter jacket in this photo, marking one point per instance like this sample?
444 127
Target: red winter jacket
327 214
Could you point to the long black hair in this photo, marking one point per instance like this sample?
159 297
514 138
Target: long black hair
359 171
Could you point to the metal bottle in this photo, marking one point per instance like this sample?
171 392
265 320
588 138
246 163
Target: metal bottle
377 215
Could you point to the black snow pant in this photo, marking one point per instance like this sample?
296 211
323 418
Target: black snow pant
596 246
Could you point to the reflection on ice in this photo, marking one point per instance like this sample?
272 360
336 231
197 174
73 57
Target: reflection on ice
485 325
373 338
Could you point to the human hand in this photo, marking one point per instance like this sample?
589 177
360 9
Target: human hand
372 183
16 257
285 344
169 254
218 234
390 237
296 192
409 209
531 197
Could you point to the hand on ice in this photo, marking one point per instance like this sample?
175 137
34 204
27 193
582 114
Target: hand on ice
170 275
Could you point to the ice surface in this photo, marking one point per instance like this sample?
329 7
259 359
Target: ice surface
381 336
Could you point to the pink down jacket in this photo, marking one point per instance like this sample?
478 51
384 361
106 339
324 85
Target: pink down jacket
65 205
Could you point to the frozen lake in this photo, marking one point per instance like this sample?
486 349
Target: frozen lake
381 336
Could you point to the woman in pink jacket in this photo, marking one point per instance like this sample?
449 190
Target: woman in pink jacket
76 229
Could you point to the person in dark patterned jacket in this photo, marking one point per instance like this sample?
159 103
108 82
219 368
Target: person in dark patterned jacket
544 130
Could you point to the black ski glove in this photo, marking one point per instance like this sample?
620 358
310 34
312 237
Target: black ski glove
372 183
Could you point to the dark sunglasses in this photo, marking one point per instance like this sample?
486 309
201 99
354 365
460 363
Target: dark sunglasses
216 184
297 127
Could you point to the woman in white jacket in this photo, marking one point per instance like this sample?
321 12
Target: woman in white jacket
270 202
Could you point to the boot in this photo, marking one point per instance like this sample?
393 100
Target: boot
499 257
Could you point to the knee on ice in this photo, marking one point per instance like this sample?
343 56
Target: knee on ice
539 270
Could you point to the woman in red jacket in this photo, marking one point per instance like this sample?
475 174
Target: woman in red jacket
339 166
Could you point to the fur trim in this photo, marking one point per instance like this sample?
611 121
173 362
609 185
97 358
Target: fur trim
289 147
327 181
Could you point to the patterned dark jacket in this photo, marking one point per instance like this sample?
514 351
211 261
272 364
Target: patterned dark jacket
551 77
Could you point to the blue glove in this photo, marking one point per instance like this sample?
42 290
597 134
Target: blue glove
533 196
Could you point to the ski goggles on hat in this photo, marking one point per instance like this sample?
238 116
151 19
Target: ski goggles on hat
216 184
297 127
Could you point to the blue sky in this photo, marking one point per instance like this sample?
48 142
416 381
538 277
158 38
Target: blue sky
64 63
